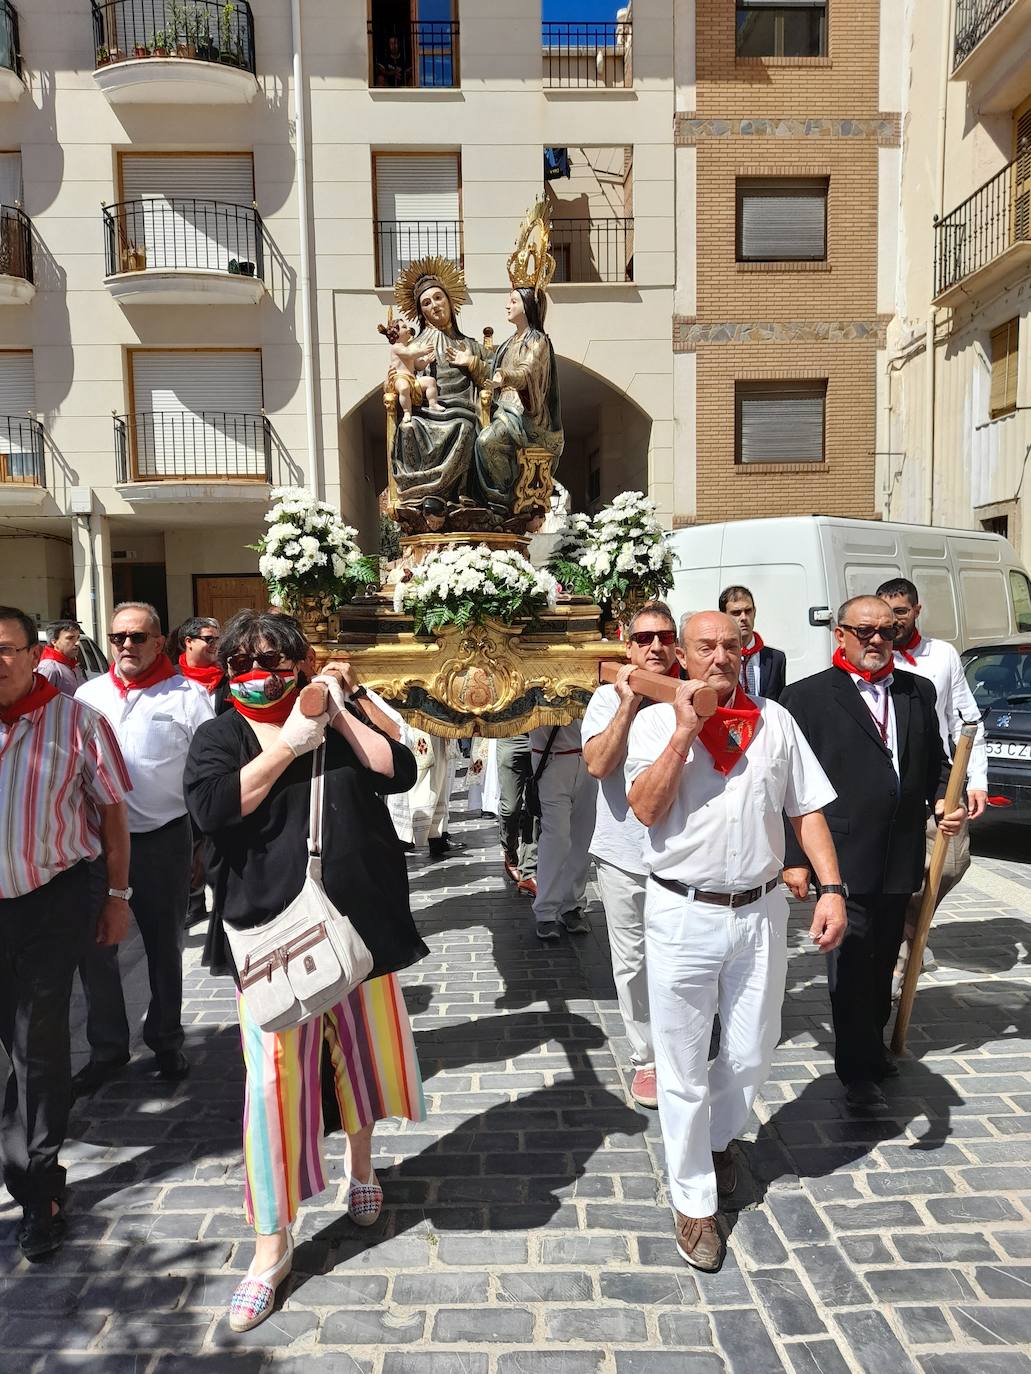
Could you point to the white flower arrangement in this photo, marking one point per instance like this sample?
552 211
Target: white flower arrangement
308 550
462 584
622 550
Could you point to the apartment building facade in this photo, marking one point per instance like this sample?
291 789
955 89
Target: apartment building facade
957 395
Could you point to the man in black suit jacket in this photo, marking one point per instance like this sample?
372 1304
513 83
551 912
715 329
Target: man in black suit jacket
763 669
875 733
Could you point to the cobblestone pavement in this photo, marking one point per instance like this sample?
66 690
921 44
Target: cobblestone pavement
526 1230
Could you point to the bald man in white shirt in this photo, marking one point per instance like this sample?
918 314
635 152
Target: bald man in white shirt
712 796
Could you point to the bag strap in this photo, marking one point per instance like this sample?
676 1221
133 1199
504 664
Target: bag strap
545 754
318 763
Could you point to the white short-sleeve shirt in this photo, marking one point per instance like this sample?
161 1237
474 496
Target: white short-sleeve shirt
725 832
619 837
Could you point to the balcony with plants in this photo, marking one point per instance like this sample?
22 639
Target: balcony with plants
184 251
992 39
986 240
12 85
161 52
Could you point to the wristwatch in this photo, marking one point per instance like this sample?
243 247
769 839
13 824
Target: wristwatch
123 892
835 889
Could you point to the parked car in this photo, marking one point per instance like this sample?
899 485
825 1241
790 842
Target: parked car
999 675
94 661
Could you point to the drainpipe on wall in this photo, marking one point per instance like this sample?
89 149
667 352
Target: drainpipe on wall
932 315
315 472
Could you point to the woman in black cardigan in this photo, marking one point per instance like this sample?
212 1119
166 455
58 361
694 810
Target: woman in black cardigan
247 786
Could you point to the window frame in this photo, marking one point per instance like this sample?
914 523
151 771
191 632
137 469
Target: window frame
742 385
1002 394
741 184
779 55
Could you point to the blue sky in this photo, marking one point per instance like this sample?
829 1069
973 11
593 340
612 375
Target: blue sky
556 10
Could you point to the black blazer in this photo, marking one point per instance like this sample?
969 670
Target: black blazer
773 666
878 821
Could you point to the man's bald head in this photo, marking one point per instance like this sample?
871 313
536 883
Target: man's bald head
710 650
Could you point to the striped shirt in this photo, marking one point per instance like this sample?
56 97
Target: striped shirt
58 764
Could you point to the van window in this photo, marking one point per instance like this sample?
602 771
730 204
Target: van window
1020 595
985 603
938 618
863 579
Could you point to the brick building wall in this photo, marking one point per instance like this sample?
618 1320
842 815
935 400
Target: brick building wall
786 117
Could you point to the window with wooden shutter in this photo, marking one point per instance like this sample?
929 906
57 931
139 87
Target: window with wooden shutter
780 422
781 219
1003 396
1022 173
417 210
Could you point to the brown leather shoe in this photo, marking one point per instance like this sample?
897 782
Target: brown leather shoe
726 1172
699 1241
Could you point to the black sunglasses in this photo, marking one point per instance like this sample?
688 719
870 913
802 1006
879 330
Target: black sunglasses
240 663
645 637
118 637
207 639
865 633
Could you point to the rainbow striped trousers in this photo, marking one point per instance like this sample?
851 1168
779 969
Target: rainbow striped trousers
375 1074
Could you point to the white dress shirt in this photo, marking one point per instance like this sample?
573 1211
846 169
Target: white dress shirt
155 726
938 661
725 832
618 835
877 697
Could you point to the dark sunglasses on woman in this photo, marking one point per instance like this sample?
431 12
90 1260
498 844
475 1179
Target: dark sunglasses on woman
240 663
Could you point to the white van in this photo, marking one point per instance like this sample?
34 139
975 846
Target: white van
801 568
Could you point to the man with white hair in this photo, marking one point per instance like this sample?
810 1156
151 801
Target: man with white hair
154 712
712 794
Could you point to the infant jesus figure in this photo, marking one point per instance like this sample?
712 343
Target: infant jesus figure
409 362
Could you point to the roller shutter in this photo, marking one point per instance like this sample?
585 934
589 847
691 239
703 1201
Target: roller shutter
189 212
17 405
197 414
781 220
417 210
780 422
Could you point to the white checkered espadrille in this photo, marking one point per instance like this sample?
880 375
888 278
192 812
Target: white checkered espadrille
365 1201
255 1298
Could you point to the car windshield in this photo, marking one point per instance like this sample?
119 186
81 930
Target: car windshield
999 677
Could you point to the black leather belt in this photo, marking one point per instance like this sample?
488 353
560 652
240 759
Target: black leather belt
731 899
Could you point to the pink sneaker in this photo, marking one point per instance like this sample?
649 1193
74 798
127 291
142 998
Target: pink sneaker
643 1089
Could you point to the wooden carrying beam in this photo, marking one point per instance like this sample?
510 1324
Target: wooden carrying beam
658 687
953 798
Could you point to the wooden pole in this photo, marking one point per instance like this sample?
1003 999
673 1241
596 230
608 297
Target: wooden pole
657 687
953 798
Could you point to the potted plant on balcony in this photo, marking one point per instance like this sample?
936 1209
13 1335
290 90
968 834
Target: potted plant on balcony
230 36
207 46
103 55
141 50
310 559
159 43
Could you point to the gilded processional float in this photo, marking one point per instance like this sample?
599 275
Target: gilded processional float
463 634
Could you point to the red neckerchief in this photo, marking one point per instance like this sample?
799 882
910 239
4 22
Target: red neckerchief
753 648
729 732
209 676
56 656
38 695
911 645
158 671
674 669
840 661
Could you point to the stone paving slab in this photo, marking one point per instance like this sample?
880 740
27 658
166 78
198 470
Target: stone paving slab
526 1228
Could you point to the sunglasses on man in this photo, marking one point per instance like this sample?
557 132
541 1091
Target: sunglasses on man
241 663
865 633
645 637
118 637
206 639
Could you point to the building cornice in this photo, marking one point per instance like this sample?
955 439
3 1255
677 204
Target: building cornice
689 335
883 129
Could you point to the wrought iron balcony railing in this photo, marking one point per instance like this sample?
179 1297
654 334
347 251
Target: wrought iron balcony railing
401 241
10 44
213 445
22 460
593 250
583 55
186 233
204 30
994 219
15 243
423 53
974 18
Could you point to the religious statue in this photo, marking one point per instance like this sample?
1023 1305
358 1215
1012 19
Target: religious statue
413 383
460 466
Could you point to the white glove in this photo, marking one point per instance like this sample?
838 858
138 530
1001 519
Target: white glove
303 734
337 696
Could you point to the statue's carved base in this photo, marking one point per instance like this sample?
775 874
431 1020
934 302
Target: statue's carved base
434 516
493 679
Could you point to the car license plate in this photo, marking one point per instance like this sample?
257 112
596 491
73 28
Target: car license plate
1008 749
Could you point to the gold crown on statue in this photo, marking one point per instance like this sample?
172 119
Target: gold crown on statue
531 265
433 271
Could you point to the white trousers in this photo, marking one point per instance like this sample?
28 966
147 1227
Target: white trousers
568 796
622 895
702 958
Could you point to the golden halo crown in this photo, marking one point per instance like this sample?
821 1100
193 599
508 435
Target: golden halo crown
430 271
531 265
